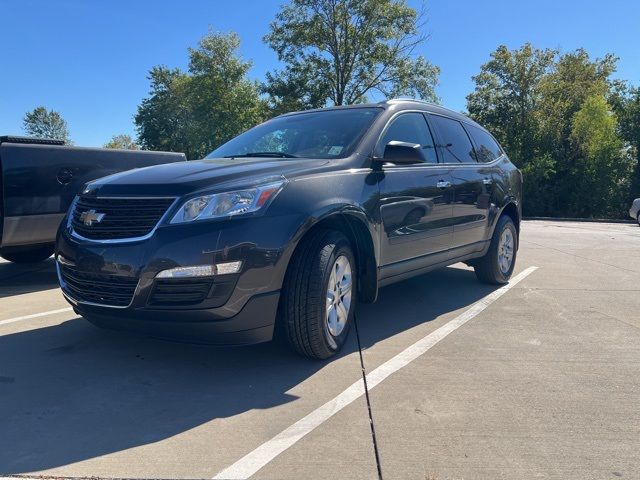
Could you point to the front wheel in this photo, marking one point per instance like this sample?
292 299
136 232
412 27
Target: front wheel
31 254
498 263
319 294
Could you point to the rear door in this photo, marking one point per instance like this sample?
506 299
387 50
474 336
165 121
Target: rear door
415 200
471 182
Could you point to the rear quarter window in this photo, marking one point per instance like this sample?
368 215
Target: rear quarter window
487 149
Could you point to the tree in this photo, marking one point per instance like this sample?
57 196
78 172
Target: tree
294 90
162 120
603 170
625 101
551 114
196 111
123 142
43 123
506 95
339 51
575 77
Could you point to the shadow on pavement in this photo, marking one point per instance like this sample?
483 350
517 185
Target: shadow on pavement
404 305
17 279
72 392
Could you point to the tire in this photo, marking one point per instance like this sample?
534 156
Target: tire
309 330
638 219
33 254
491 268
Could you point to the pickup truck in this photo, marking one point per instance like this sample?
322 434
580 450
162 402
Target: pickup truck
39 179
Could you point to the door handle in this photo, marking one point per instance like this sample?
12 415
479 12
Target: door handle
487 181
442 184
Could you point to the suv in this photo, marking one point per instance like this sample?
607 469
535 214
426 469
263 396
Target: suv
293 220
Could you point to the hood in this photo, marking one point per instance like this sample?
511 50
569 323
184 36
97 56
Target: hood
182 178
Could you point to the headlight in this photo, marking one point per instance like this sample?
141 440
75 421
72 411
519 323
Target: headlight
227 204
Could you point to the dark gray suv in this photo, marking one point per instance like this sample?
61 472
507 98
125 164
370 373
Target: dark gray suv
291 223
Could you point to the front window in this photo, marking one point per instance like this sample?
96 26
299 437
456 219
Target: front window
321 134
412 128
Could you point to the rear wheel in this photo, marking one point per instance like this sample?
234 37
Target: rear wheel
498 263
319 294
30 254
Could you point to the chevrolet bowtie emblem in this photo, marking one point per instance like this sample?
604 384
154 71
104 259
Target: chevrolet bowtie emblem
90 217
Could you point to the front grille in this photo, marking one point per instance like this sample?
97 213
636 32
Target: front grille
123 217
104 289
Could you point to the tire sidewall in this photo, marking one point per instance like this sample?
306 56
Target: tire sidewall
504 223
341 247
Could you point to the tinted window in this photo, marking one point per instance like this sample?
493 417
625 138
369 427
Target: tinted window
455 144
323 134
487 149
411 128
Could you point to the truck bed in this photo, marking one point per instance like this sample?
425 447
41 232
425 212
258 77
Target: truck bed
39 179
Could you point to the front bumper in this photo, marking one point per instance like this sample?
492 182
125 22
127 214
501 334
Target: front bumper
239 309
253 324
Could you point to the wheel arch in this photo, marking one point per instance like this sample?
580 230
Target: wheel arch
354 224
512 210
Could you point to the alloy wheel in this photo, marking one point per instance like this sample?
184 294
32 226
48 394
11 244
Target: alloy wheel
338 296
505 251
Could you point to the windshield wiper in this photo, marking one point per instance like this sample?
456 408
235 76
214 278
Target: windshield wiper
262 154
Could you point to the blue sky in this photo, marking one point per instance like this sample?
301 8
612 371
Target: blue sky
89 59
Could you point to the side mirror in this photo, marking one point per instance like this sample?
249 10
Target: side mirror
402 153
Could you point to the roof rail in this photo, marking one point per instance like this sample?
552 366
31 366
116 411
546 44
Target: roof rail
423 102
408 99
39 141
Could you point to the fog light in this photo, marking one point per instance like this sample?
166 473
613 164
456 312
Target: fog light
201 270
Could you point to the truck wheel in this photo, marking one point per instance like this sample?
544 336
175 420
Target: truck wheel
498 263
32 254
319 294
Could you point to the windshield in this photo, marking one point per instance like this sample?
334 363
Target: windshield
321 134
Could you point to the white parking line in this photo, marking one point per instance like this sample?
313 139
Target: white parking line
258 458
34 315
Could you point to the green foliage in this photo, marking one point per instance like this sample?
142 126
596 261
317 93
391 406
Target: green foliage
625 101
573 79
196 111
43 123
539 174
594 128
508 93
338 51
551 114
602 170
123 142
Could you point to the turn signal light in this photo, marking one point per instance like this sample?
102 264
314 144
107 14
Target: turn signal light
201 270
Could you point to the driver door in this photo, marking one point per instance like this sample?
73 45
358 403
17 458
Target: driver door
416 201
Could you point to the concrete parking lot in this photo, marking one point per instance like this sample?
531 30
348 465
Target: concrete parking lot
540 379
